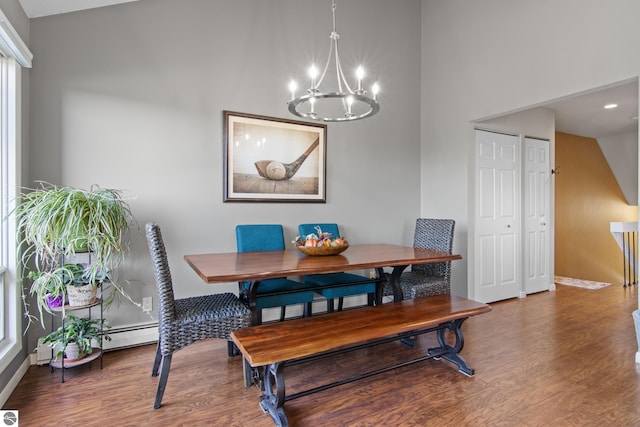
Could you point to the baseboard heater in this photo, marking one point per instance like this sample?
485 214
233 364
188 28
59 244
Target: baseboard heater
121 337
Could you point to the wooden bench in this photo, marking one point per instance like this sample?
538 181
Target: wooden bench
271 346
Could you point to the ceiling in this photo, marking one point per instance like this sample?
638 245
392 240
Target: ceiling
585 115
582 114
38 8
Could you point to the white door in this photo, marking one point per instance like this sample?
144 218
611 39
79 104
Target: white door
497 230
536 215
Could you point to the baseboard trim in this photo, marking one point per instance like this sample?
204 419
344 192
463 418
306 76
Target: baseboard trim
13 382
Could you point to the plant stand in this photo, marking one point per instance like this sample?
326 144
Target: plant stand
97 352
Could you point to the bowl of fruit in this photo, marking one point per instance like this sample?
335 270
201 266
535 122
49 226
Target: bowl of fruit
320 244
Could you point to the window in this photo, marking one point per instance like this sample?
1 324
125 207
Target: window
13 54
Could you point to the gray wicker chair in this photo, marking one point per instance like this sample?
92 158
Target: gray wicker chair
428 279
184 321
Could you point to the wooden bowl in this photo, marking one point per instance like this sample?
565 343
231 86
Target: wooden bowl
322 250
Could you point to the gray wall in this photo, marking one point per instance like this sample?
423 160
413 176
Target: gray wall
136 91
487 58
131 97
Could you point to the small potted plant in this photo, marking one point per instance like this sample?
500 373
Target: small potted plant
81 283
76 333
49 289
56 222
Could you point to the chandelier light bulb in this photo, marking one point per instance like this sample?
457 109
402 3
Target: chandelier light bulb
313 73
360 76
292 88
375 89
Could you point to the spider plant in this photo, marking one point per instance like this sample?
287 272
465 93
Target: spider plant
56 222
47 284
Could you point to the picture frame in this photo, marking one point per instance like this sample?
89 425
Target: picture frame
270 159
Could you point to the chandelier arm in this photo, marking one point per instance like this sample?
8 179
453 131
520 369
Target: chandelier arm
340 73
326 66
334 36
338 68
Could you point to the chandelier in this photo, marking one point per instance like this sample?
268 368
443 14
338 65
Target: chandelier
343 104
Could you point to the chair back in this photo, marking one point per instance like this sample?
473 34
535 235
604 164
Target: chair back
306 229
434 234
259 237
166 305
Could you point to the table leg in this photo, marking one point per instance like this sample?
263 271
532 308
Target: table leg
250 373
379 285
394 281
252 295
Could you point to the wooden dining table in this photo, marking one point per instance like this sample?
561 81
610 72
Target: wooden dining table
253 267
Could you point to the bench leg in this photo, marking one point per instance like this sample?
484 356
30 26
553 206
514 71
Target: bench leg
247 372
232 349
270 402
252 375
451 352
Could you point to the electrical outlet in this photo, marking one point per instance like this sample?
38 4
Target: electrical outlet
372 274
147 304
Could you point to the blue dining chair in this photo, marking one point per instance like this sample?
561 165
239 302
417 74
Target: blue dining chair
270 237
350 281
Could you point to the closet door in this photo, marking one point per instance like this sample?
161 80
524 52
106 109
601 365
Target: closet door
536 215
497 224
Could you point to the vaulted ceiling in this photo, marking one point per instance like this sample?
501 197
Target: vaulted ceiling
582 114
38 8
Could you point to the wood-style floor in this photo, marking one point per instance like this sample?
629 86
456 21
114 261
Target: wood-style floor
563 358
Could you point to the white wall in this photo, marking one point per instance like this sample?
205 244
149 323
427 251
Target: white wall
131 97
487 58
621 152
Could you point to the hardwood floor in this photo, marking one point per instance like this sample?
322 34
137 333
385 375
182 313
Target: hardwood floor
563 358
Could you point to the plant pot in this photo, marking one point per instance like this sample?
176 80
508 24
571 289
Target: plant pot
82 295
53 301
72 352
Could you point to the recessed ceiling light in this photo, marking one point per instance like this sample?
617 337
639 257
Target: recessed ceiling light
610 106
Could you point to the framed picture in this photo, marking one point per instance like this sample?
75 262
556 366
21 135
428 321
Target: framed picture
268 159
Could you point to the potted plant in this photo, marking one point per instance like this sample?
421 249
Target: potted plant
49 289
54 223
81 283
76 333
